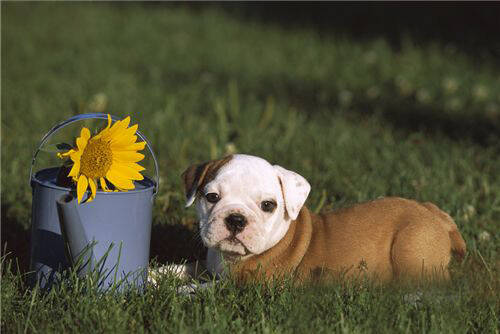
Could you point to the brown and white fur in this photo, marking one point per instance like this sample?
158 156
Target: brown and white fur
384 239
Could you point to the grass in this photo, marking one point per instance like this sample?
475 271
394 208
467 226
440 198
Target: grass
358 119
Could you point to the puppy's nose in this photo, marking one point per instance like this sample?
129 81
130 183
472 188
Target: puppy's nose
235 222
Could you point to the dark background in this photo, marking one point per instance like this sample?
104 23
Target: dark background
473 27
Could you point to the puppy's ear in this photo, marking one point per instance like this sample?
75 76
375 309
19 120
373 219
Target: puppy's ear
295 190
192 177
197 176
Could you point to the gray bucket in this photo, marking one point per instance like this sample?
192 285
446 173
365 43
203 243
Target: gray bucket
109 236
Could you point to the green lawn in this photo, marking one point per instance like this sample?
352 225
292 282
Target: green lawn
358 118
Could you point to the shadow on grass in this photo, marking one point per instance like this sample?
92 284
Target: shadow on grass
402 113
474 127
15 240
468 27
471 122
471 28
175 244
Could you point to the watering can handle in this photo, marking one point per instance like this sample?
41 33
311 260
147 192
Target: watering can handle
94 116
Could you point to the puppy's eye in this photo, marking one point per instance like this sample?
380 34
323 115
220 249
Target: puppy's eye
212 197
268 206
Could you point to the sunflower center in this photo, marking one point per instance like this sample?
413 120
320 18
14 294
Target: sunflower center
96 159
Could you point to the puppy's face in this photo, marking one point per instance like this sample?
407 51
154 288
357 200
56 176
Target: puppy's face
245 205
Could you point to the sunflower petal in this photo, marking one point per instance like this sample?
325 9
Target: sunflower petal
127 172
125 122
75 156
93 190
110 132
81 187
124 141
133 165
130 131
65 154
75 169
119 181
109 122
104 186
81 141
127 156
120 134
129 147
119 126
85 133
125 133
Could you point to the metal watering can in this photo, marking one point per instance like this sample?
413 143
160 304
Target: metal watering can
109 236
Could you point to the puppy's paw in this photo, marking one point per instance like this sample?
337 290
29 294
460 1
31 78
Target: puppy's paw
192 288
188 289
180 271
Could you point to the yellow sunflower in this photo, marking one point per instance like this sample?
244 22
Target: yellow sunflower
110 155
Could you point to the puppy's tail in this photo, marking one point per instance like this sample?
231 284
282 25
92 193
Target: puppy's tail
458 246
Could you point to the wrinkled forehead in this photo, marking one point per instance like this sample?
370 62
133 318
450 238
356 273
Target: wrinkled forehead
249 175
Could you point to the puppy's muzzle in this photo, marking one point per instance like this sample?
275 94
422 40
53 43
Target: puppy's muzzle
235 223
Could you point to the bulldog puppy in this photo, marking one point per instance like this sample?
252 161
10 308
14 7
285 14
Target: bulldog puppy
256 227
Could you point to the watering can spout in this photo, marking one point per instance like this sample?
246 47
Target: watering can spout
77 246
